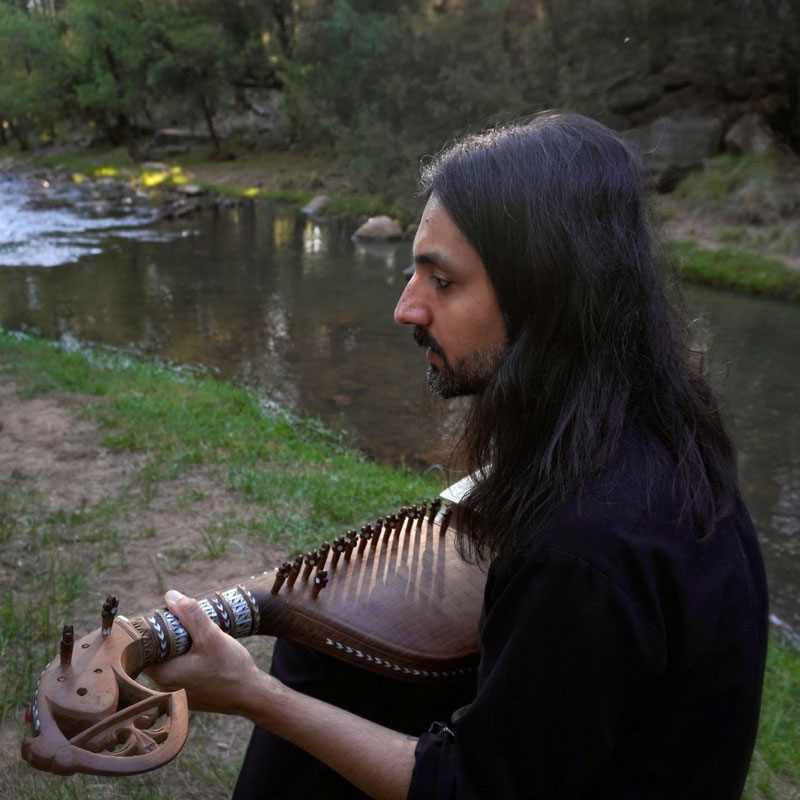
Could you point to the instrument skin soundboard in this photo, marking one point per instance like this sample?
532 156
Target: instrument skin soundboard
394 598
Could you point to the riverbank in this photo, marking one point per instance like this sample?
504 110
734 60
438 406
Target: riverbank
760 258
125 476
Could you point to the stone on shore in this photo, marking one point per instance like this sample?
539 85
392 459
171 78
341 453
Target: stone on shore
316 205
378 229
675 147
190 190
411 231
751 133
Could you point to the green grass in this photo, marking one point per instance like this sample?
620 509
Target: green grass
722 175
775 771
742 270
748 205
290 463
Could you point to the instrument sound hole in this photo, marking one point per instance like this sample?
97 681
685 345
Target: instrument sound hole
82 691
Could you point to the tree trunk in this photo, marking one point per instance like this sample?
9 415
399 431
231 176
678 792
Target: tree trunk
283 14
19 134
127 137
210 124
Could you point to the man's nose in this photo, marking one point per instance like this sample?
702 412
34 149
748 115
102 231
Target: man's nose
411 308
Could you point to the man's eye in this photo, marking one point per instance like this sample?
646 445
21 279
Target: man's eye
440 283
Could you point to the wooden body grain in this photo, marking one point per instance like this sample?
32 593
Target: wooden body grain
408 605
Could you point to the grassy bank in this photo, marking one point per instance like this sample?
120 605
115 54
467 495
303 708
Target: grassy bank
741 270
170 444
286 176
736 226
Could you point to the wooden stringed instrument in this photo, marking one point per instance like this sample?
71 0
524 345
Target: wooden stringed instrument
394 598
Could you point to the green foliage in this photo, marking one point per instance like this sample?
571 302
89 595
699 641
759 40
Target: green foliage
386 88
110 50
191 63
34 89
383 82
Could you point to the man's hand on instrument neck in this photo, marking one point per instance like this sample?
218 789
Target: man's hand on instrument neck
219 675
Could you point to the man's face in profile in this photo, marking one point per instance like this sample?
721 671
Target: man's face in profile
452 304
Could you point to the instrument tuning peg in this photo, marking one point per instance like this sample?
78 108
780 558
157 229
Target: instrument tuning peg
311 559
297 565
110 608
446 514
320 582
365 536
67 642
339 545
350 543
281 574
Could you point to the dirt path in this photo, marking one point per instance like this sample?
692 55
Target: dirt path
60 459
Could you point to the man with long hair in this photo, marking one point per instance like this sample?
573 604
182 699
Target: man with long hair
623 633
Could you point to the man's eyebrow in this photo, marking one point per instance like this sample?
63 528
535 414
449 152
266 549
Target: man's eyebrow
433 258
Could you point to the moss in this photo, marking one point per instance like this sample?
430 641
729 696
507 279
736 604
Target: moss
744 271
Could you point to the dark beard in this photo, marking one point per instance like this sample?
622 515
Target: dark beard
470 374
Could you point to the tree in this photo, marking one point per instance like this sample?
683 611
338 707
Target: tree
34 90
111 51
192 62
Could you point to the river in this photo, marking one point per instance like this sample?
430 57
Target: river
270 298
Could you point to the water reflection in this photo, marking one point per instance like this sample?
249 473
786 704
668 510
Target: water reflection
281 302
754 360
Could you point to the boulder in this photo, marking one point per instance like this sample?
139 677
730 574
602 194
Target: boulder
181 137
316 205
170 150
381 228
411 231
264 120
674 147
190 190
751 133
684 142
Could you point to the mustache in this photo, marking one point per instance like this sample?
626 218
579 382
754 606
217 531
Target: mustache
424 339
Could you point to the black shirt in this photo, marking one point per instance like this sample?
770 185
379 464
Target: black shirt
622 656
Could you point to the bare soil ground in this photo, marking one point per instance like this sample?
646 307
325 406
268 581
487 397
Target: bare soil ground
161 539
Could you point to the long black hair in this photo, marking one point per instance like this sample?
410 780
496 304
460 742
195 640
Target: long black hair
556 209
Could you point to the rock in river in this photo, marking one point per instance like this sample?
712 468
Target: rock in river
380 228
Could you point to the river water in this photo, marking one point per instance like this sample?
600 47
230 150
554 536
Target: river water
267 297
